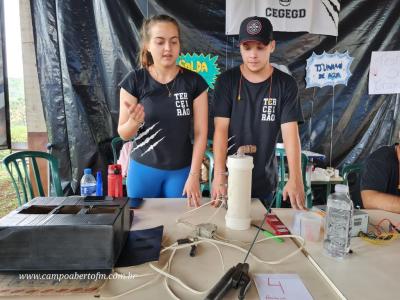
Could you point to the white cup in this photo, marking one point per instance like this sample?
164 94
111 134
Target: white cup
310 226
296 222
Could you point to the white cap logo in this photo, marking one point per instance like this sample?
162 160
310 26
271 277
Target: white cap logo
253 27
284 2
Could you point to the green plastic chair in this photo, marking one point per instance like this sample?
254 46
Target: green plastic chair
280 153
349 169
206 186
19 161
351 177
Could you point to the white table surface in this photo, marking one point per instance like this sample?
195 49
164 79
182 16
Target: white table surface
204 270
371 272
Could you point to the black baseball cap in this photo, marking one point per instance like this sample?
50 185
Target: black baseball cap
256 29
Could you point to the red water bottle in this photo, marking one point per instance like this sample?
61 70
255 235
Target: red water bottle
114 180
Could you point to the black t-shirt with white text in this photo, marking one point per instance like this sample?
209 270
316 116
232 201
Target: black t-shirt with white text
381 171
256 118
163 142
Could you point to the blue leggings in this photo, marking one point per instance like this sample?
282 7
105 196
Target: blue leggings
148 182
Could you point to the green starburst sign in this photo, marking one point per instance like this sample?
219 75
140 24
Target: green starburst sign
206 66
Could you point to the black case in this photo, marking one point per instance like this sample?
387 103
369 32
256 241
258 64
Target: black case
64 234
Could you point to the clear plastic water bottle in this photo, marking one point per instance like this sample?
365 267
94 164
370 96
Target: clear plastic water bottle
338 222
88 183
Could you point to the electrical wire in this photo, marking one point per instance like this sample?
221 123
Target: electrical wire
274 262
222 239
165 282
381 236
180 220
157 276
166 269
382 239
213 242
177 280
135 275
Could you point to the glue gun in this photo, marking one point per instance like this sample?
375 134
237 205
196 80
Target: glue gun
236 277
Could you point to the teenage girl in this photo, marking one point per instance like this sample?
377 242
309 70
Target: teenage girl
158 104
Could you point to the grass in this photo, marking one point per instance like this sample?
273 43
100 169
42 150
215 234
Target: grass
19 133
8 197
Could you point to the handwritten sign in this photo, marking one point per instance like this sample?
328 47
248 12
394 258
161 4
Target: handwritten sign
281 287
328 69
384 73
206 66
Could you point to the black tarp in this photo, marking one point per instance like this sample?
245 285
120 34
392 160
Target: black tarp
85 47
5 138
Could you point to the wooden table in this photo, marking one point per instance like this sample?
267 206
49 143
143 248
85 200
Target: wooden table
371 272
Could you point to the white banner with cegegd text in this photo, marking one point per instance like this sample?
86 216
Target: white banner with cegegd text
313 16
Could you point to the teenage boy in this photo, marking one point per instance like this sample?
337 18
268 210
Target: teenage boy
253 102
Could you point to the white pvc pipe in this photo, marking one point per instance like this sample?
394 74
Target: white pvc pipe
239 192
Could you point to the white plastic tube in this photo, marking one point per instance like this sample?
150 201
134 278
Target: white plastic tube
239 192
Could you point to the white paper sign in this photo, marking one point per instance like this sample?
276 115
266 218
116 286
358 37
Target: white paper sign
328 69
384 73
281 286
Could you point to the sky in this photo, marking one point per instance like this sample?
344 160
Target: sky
13 39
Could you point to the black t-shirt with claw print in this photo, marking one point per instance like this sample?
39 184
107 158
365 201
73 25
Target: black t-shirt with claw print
163 142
